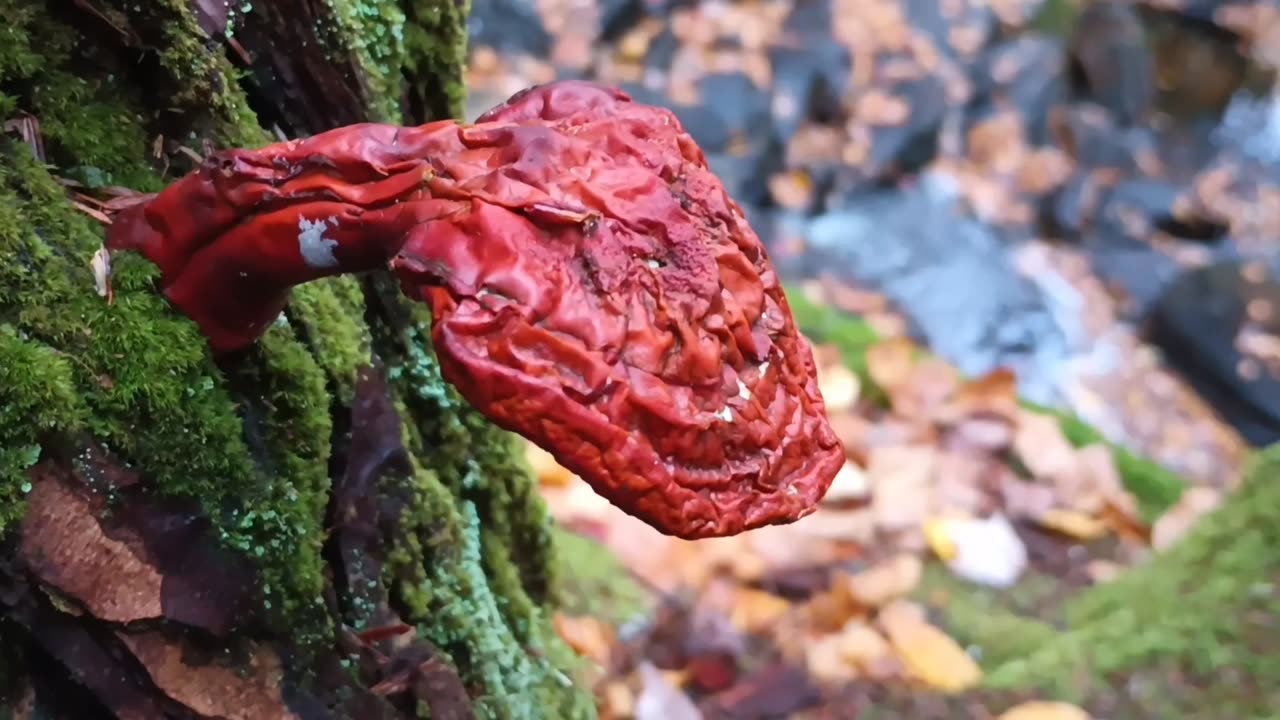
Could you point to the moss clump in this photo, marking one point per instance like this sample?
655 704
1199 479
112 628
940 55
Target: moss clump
1204 612
82 119
1156 487
329 315
436 53
37 399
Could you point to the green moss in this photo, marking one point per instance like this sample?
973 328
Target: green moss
81 117
1157 488
37 399
201 78
436 53
168 411
1209 603
329 315
593 581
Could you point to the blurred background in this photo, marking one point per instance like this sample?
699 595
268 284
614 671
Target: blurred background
1035 244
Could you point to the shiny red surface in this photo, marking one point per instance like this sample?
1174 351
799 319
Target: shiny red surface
593 288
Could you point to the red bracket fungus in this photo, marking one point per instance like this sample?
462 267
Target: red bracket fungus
592 288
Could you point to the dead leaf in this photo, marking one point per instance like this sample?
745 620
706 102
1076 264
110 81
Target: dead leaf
659 699
994 395
586 636
901 477
825 659
929 654
1044 710
928 386
986 551
862 646
755 611
1177 521
839 386
849 485
885 581
889 362
213 690
545 467
66 548
1073 524
1041 446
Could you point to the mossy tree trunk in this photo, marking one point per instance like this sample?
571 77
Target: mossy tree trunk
318 527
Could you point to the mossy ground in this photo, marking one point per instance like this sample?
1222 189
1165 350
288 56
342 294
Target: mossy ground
1193 633
251 440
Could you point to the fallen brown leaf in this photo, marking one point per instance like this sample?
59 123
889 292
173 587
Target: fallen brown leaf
1177 521
1044 710
212 690
886 581
929 654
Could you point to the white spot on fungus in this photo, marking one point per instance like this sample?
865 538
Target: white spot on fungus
725 414
316 249
743 392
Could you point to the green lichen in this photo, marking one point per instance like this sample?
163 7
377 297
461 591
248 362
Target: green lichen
1156 487
374 30
477 581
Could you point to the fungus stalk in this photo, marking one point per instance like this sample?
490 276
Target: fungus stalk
592 288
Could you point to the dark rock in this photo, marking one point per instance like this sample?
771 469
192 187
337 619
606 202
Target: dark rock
511 27
1109 61
705 125
1037 83
746 174
907 148
619 16
949 274
1197 324
808 83
662 50
1093 139
809 18
744 107
1201 64
1068 209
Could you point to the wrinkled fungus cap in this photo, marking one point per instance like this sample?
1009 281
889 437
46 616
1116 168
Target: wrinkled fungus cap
592 286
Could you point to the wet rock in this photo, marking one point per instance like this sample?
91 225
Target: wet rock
1026 73
951 275
1109 61
1093 139
1250 130
1201 65
741 104
907 148
808 83
1218 326
809 18
512 27
619 16
705 125
662 50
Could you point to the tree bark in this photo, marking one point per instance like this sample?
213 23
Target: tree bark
317 527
